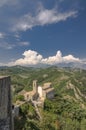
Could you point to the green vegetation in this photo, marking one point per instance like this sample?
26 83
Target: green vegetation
67 111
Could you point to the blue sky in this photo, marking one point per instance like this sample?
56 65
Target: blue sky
42 31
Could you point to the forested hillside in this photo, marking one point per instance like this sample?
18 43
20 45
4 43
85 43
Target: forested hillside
67 111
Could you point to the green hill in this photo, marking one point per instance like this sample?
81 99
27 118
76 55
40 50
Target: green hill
67 111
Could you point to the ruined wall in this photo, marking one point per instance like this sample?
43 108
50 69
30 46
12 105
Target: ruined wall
5 104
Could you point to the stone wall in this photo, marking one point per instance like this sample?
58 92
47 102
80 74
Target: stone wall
5 104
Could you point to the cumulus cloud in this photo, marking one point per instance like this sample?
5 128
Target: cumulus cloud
43 17
70 58
31 57
58 58
53 59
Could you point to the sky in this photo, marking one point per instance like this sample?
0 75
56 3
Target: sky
42 32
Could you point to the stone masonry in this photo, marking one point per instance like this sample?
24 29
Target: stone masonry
5 104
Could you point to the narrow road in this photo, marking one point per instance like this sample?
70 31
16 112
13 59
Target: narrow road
36 108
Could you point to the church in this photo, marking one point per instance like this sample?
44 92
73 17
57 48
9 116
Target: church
40 92
46 91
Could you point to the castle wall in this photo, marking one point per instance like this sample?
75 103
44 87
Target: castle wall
5 104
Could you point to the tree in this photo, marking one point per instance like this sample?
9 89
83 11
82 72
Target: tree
83 124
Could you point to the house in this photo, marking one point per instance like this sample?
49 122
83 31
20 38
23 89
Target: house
46 91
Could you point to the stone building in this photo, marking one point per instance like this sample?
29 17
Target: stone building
5 104
46 91
39 92
31 94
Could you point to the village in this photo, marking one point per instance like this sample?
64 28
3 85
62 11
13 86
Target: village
37 97
39 92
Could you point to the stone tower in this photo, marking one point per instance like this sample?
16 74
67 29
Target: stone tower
35 86
5 104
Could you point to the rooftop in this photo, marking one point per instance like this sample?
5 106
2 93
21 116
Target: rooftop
47 84
49 90
46 87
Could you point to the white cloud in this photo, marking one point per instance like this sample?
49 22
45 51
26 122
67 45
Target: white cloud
9 46
53 16
53 59
70 58
2 35
3 64
24 23
20 17
34 58
25 43
58 58
8 2
43 17
6 45
17 36
30 58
